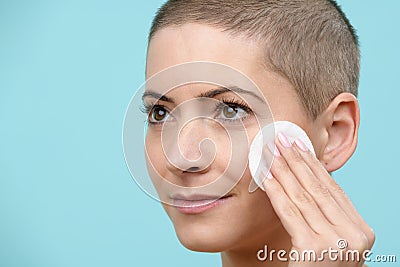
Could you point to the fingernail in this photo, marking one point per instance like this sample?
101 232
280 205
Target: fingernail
284 140
269 176
274 150
301 145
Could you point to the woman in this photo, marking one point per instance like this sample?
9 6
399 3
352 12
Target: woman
304 58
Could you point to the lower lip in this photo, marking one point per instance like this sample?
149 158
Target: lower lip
195 207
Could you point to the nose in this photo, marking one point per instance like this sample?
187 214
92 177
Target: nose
190 148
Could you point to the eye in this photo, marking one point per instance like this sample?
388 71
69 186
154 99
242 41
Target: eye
158 114
232 111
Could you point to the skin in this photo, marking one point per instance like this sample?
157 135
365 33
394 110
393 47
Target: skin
303 207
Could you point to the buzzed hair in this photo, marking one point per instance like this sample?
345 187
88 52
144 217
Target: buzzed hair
309 42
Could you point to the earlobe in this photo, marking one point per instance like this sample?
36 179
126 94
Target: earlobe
341 123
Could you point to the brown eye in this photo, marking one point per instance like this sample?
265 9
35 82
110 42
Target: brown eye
229 112
232 112
158 114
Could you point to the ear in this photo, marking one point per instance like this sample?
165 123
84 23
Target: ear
340 122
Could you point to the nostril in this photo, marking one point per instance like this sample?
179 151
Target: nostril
193 169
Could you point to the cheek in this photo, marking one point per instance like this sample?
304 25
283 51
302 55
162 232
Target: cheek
223 152
155 156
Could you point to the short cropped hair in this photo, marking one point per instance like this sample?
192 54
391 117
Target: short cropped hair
309 42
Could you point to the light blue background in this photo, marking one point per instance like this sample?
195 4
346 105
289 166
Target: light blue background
67 72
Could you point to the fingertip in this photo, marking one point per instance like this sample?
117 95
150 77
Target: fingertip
300 144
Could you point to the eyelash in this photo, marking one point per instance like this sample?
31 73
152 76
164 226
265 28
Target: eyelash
147 108
236 103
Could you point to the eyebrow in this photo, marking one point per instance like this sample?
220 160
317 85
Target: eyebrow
208 94
157 96
235 89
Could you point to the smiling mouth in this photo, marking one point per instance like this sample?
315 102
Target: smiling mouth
195 204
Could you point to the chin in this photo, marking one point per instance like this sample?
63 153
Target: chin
204 232
204 239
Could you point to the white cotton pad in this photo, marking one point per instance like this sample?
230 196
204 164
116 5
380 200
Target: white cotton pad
259 166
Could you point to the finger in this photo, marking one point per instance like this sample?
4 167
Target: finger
336 192
290 216
299 196
318 191
341 224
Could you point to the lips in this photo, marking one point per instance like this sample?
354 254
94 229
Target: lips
192 204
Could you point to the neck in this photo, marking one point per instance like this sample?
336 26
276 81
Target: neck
259 251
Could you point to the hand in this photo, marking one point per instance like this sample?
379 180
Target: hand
312 207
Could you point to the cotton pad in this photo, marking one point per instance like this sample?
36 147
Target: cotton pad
258 165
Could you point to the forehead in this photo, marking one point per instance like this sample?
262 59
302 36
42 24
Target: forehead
197 42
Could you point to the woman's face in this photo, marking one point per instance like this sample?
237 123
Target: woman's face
241 219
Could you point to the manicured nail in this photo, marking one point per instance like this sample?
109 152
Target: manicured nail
301 145
269 176
284 140
274 150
